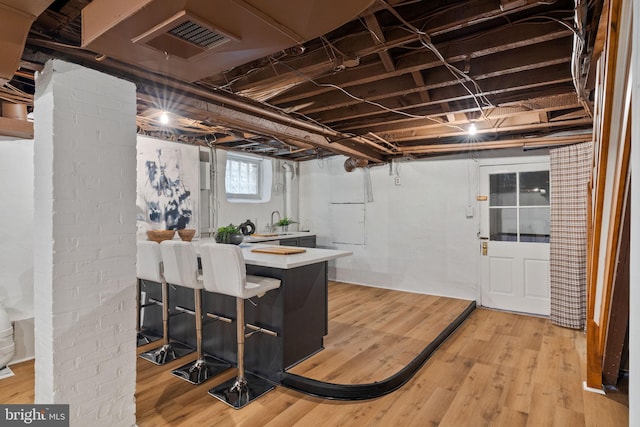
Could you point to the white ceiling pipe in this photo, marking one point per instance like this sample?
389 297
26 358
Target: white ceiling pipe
288 177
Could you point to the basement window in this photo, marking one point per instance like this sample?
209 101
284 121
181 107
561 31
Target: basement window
247 179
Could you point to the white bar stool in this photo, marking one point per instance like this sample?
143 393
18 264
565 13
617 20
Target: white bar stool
147 268
150 268
181 269
224 272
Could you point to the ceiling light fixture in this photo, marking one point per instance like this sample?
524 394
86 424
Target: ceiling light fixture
472 129
164 118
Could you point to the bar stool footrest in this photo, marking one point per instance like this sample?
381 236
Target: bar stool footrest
166 353
145 338
200 370
237 393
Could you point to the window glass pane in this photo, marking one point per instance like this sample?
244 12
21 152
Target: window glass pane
231 183
503 224
534 188
534 225
242 177
502 189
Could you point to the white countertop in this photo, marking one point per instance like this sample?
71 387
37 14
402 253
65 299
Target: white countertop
310 256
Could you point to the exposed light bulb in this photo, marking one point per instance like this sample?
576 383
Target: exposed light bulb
472 129
164 118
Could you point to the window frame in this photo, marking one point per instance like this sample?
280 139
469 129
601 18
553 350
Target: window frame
519 207
263 176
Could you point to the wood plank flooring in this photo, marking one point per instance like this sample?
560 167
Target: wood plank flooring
498 369
384 328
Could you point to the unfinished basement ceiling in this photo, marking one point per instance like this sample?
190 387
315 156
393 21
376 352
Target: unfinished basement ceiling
403 78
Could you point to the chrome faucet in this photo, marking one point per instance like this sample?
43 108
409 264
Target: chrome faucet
273 226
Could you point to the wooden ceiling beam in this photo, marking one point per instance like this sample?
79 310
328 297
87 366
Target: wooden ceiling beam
549 76
369 73
482 128
510 59
470 13
378 38
578 112
419 81
547 141
542 106
505 41
519 99
520 60
361 44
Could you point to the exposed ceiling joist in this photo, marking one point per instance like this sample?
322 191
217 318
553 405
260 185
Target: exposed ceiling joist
208 112
403 75
493 145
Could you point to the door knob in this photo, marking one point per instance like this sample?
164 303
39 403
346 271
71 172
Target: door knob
485 247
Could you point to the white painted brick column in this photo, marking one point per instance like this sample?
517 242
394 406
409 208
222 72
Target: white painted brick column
85 244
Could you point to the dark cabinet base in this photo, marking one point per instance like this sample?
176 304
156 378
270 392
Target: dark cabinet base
297 312
302 241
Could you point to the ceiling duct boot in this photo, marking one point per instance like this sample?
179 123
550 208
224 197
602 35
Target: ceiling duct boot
16 17
351 163
14 111
193 39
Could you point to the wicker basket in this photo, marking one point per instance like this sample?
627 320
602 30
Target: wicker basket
160 235
187 234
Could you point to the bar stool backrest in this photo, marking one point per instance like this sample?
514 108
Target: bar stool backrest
149 261
223 269
180 264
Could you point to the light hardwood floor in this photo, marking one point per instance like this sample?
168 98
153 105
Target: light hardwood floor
498 369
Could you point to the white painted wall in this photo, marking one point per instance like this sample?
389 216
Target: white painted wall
16 232
16 241
258 213
416 234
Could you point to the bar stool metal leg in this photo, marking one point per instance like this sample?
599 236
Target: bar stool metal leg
204 367
169 351
143 337
246 387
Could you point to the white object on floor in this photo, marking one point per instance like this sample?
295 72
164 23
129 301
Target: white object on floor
22 319
7 346
6 372
591 389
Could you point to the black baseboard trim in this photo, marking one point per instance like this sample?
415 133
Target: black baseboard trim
372 390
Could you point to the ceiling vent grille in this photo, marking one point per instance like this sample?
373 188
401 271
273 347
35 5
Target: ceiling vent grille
198 35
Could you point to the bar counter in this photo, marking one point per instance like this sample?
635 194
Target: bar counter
297 311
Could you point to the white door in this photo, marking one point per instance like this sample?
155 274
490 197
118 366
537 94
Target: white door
514 237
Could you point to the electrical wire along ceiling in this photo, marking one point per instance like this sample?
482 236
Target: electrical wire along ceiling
373 80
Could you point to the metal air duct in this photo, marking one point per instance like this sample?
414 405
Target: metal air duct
193 39
16 17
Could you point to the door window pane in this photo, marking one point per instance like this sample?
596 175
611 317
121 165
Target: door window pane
519 207
535 225
502 189
534 188
503 224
